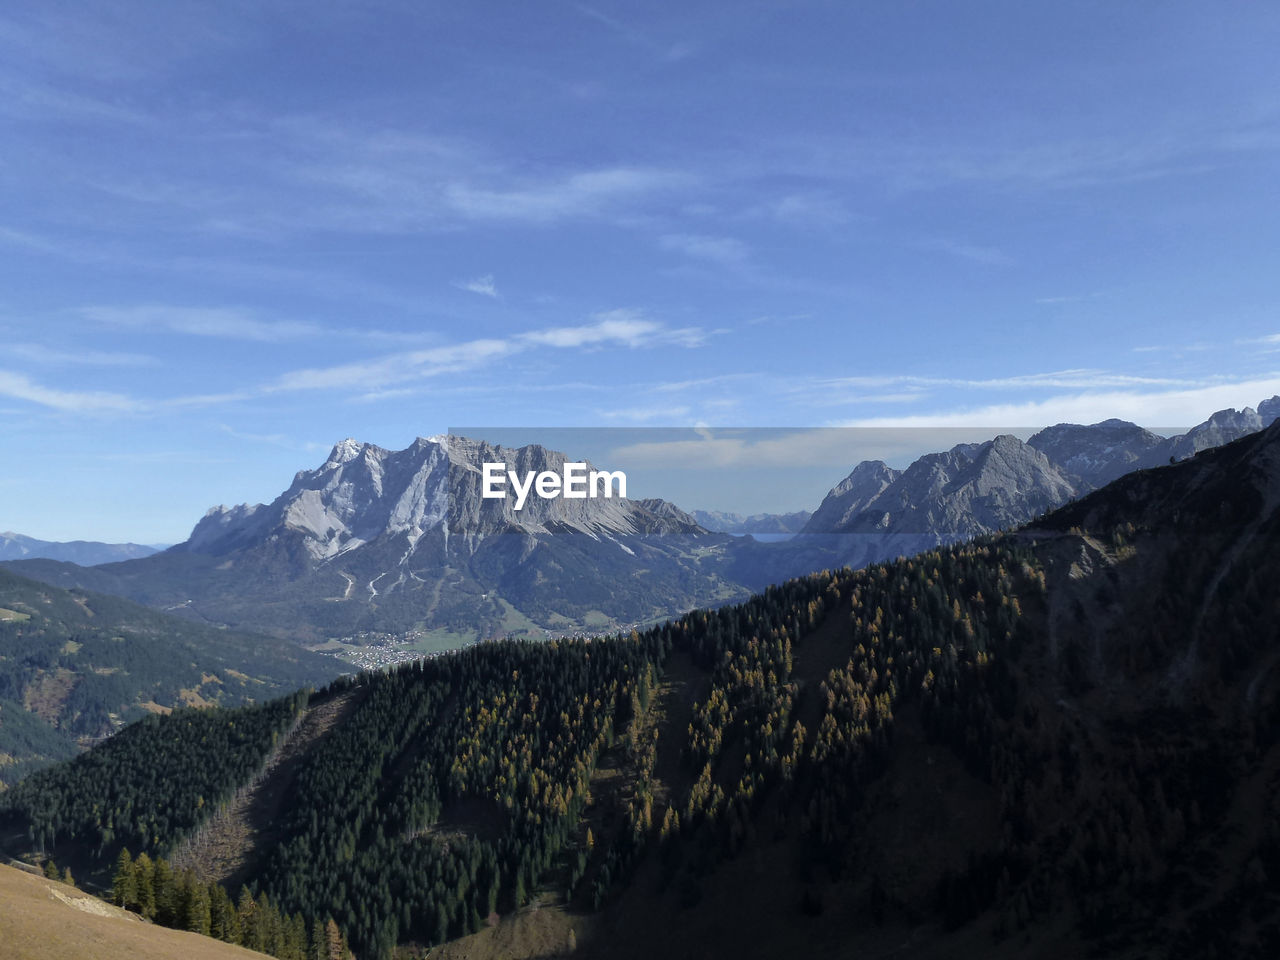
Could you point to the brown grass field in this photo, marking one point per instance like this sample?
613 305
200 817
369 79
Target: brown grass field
44 920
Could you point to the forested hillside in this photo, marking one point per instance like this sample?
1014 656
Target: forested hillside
1058 741
75 666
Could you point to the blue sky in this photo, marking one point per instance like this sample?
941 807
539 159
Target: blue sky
234 233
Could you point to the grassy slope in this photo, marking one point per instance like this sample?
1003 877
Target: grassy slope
45 920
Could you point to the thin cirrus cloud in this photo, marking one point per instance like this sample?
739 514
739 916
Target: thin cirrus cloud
48 356
974 253
617 328
221 322
1179 407
1075 379
725 251
644 414
21 387
581 194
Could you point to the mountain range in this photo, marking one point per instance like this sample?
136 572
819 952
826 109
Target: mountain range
977 488
86 553
397 550
1059 741
767 524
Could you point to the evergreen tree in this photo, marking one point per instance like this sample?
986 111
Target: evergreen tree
124 886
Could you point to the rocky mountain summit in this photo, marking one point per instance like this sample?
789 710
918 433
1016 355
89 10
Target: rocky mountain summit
402 542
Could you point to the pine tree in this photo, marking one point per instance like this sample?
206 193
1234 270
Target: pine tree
199 909
250 922
144 874
124 887
166 894
335 942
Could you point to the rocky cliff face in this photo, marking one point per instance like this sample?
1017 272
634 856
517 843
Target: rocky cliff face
363 494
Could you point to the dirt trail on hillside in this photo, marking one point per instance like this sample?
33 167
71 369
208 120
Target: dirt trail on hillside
223 848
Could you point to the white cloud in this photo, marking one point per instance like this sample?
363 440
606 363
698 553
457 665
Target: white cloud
588 193
38 353
223 322
1163 408
1068 379
987 256
396 368
726 251
675 386
21 387
481 285
640 414
626 328
273 439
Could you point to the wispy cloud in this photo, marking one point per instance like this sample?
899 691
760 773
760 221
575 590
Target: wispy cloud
48 356
577 195
1155 408
677 386
41 101
643 414
1080 298
271 439
484 286
20 387
678 50
395 368
988 256
1075 379
28 241
229 323
726 251
616 328
628 328
806 210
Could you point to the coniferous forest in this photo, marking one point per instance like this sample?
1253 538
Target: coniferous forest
1094 697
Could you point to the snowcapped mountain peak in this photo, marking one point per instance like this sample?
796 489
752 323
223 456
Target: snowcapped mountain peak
346 450
364 494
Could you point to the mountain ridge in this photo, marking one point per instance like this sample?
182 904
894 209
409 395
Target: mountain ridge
86 553
973 489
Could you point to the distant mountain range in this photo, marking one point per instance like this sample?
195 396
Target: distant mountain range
379 545
757 523
86 553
